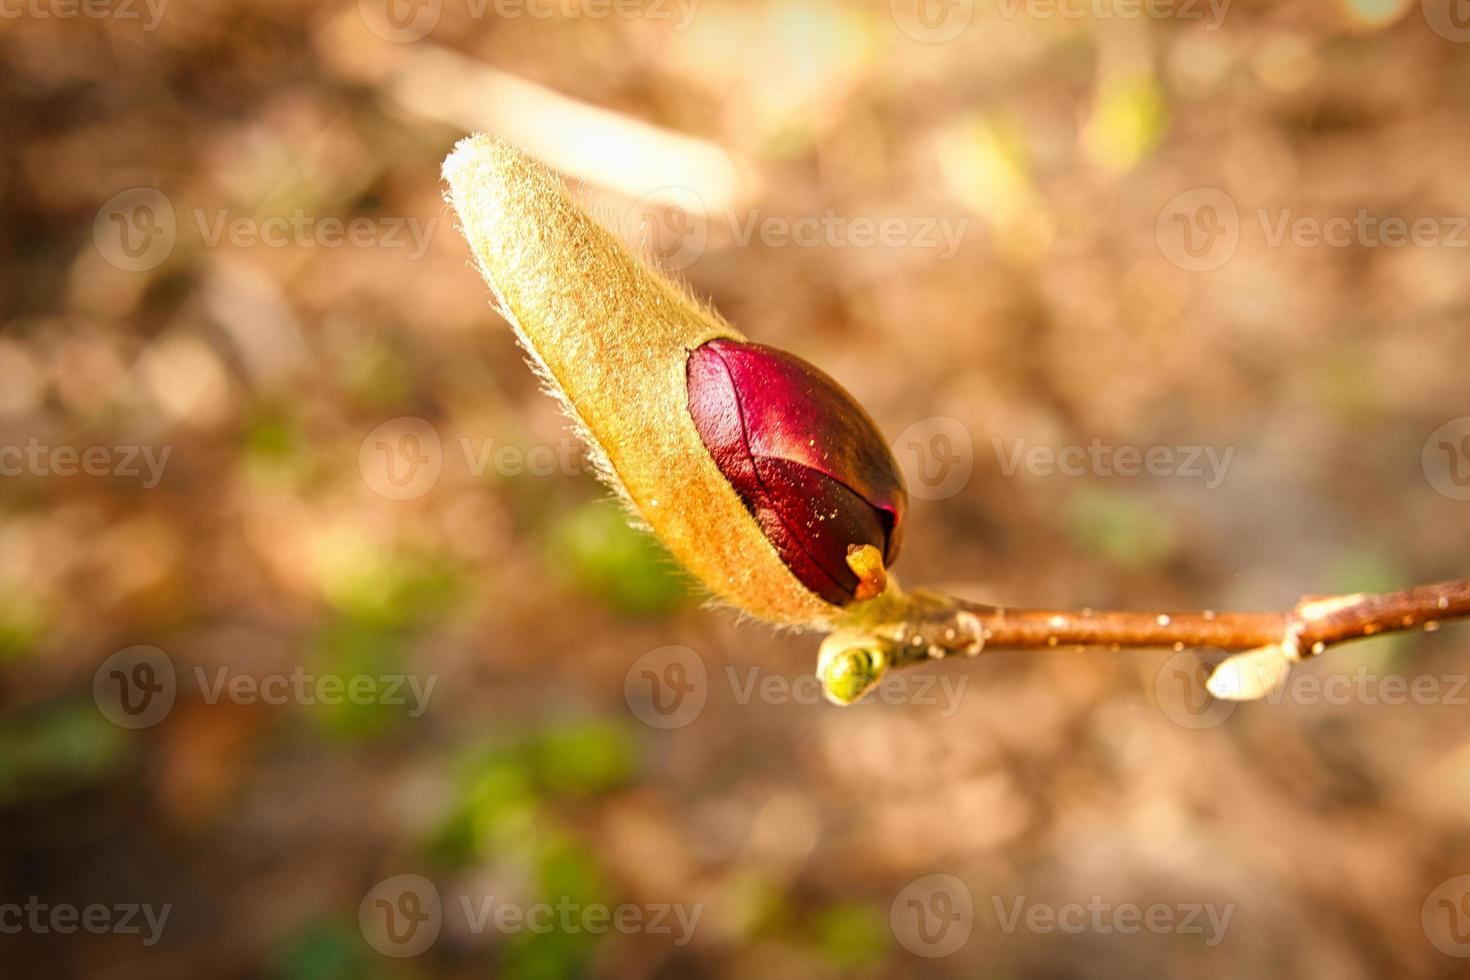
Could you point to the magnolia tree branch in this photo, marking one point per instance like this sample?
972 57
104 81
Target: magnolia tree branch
645 372
928 626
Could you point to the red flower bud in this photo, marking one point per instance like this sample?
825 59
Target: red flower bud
804 457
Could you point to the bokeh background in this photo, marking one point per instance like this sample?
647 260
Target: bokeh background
224 240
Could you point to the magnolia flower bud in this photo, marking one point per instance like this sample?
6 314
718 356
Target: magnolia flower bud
762 511
806 460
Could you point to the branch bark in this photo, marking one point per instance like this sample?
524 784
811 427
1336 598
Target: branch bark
935 626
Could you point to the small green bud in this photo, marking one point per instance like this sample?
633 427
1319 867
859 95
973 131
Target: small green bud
850 665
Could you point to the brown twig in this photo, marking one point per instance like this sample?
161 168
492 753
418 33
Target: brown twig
934 626
1317 623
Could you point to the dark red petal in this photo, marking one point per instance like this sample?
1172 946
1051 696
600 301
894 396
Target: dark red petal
716 411
794 411
820 517
805 459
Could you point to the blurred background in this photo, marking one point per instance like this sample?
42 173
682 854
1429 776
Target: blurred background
323 656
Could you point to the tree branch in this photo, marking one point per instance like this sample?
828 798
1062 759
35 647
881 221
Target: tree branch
933 626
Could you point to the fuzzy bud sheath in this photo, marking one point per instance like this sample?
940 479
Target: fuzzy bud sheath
616 342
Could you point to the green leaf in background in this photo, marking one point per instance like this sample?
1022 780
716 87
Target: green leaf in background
756 904
390 587
23 621
54 747
501 814
349 649
851 935
597 553
274 452
570 879
502 786
584 758
554 955
493 809
500 808
567 868
326 952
